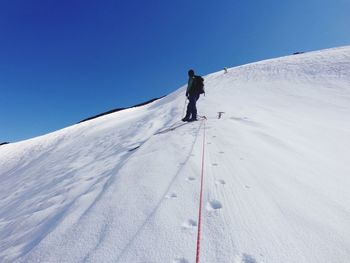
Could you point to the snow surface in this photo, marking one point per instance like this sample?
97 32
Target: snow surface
121 189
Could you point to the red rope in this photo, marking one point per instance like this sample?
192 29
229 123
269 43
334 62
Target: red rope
200 200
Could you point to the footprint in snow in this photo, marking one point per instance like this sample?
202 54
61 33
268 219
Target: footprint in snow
89 179
171 196
221 152
213 205
245 258
215 164
189 224
220 182
180 260
190 178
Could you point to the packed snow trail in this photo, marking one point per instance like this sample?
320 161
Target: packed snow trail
118 189
198 249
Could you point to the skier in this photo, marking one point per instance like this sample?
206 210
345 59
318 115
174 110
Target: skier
195 87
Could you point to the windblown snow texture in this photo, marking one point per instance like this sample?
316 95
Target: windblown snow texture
117 189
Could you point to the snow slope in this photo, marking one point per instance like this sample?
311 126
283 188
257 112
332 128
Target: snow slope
118 189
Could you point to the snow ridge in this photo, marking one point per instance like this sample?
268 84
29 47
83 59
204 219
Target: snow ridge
125 187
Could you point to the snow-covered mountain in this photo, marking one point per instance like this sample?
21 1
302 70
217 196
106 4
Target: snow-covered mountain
121 188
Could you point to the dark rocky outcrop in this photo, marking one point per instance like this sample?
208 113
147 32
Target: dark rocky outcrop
119 109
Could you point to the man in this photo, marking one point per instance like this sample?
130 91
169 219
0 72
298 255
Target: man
194 89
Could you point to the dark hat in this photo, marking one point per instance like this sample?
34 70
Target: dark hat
191 73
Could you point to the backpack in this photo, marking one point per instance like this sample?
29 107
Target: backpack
199 84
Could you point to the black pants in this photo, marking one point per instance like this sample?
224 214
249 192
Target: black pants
191 107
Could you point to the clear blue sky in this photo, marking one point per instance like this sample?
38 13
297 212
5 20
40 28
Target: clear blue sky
64 60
